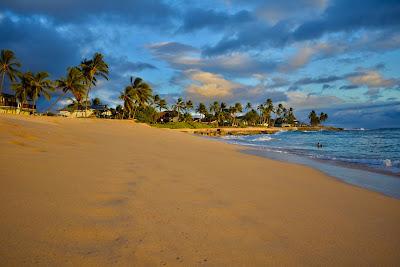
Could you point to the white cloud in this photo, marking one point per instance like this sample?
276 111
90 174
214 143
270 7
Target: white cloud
210 85
301 100
372 79
207 86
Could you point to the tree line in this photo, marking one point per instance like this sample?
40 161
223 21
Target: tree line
137 97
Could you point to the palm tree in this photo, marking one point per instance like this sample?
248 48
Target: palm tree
323 117
314 119
279 110
142 93
23 87
222 112
261 110
91 69
96 101
215 108
73 84
202 109
248 106
285 114
40 85
269 107
162 104
120 111
179 105
136 95
156 100
235 109
8 66
189 105
129 97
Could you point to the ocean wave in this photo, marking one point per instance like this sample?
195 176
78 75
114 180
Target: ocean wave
355 129
232 137
262 138
389 163
281 132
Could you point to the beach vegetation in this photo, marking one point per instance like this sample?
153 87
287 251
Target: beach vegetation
179 106
136 96
138 102
40 85
202 110
316 120
73 84
183 125
92 69
8 67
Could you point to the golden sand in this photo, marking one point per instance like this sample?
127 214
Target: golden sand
84 192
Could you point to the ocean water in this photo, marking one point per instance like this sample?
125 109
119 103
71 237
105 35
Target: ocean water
366 158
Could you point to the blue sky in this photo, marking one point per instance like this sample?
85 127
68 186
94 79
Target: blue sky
336 56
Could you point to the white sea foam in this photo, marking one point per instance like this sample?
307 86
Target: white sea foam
232 137
262 138
387 163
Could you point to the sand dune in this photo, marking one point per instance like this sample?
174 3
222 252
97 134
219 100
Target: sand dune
99 193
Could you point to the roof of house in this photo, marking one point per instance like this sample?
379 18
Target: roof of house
99 107
7 95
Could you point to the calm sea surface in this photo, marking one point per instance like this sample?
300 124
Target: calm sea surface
367 158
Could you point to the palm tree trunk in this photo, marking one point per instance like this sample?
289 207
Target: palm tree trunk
76 110
34 106
87 97
134 113
2 82
55 102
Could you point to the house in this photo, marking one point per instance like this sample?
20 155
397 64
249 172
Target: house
79 113
7 100
168 116
280 123
10 104
101 111
285 125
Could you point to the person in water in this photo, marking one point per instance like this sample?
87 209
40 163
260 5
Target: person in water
319 145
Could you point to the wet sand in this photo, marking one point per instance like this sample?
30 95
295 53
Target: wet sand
103 192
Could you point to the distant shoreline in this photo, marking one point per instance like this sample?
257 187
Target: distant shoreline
221 131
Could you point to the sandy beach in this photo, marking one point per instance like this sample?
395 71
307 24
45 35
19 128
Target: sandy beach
90 192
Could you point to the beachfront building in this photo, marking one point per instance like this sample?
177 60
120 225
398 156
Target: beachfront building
10 105
79 113
100 111
168 116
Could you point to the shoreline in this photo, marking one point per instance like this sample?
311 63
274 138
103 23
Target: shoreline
105 192
374 180
351 174
223 131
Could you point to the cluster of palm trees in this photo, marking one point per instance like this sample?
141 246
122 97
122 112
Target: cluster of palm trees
30 86
27 85
137 97
315 119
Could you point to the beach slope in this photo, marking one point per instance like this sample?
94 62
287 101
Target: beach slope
82 192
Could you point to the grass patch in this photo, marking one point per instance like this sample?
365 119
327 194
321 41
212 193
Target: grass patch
182 124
